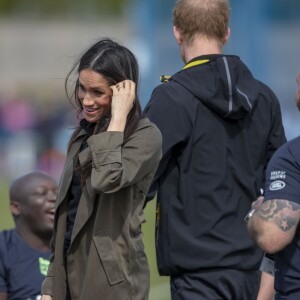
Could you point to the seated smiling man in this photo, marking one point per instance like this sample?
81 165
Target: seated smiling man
25 250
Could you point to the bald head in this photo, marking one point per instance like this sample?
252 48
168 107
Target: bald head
32 200
23 185
32 204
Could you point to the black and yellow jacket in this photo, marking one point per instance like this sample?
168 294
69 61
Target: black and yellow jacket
220 126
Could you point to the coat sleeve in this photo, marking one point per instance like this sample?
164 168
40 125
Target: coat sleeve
171 119
117 165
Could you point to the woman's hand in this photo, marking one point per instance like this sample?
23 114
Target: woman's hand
122 102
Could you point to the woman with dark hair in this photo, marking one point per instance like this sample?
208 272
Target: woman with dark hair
97 248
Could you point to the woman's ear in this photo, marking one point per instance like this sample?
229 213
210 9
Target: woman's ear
177 34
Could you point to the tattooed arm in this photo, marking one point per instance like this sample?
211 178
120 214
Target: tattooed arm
274 224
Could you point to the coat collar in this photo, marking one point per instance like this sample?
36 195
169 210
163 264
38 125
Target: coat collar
87 199
86 203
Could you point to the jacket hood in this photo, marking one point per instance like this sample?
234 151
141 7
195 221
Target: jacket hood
223 83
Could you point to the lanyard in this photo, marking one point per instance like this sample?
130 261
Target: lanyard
165 78
195 63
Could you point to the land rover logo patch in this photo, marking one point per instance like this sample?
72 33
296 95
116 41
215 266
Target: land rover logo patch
277 185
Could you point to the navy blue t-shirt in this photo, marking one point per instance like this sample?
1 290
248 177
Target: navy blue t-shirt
22 268
283 182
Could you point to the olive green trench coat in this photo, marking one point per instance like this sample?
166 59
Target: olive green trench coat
106 258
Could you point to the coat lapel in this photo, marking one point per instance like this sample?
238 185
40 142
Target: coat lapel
86 203
67 173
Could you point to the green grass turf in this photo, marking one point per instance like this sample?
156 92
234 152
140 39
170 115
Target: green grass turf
6 220
159 289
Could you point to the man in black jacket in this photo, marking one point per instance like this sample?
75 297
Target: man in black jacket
220 127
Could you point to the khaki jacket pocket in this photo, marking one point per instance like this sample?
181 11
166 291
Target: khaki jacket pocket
109 257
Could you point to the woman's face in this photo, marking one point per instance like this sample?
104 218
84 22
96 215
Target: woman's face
95 95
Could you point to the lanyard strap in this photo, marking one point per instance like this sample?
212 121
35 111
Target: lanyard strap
195 63
165 78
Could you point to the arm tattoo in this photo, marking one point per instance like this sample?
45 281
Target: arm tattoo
284 213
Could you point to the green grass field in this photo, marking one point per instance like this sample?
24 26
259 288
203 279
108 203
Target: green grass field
159 285
6 220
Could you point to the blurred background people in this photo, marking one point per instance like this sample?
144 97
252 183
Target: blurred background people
25 250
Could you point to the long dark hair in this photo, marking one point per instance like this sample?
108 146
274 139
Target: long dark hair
116 63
